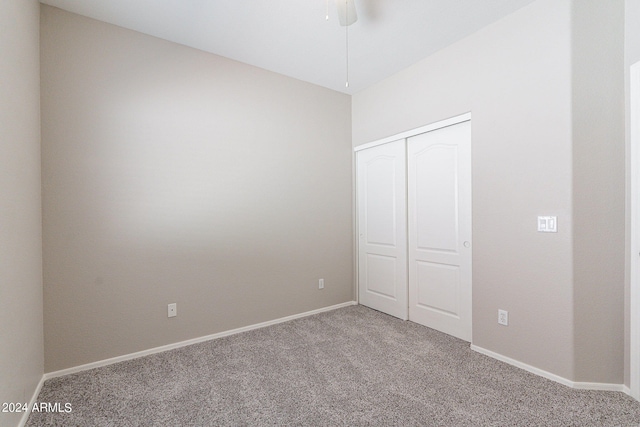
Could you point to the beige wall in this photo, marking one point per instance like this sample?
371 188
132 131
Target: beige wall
598 189
515 78
173 175
21 352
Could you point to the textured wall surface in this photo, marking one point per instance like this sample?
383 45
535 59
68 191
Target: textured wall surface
21 351
598 189
173 175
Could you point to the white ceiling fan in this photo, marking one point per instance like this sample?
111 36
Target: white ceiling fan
346 12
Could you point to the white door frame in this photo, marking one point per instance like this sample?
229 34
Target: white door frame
634 262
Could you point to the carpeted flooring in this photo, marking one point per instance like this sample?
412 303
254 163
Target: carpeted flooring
349 367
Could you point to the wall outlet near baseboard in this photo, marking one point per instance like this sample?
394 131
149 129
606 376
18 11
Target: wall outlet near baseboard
172 310
321 284
503 317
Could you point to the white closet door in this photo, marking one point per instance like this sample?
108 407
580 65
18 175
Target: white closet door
382 245
439 196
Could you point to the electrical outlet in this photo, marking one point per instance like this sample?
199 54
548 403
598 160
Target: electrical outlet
503 317
321 284
172 310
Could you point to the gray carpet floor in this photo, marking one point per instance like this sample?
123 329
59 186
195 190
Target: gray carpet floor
349 367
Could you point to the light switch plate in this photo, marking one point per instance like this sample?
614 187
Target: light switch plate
548 224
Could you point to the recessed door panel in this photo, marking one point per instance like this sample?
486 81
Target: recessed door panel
382 231
380 203
438 287
436 198
381 275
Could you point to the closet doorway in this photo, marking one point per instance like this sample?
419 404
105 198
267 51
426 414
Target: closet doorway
414 226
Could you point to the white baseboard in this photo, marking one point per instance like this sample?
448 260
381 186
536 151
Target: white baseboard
34 397
549 375
163 348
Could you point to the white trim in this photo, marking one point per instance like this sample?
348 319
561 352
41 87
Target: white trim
164 348
34 397
413 132
634 274
549 375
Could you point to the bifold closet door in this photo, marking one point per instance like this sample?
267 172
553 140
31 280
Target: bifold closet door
382 245
439 223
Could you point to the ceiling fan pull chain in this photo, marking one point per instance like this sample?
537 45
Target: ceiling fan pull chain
346 6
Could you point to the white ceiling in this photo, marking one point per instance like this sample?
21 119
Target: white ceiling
292 37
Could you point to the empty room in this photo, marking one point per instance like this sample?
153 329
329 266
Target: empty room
319 212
